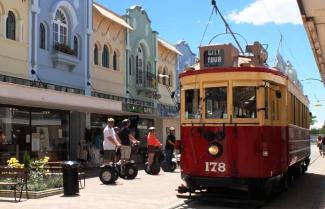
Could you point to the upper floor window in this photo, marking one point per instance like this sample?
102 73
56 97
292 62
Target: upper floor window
76 46
11 26
165 77
170 79
115 61
60 27
42 34
96 54
139 66
105 57
131 60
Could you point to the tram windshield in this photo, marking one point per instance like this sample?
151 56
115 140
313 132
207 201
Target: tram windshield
192 103
216 102
244 102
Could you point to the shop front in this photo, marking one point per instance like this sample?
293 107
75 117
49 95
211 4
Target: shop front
45 122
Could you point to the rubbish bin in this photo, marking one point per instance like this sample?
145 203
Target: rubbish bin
70 171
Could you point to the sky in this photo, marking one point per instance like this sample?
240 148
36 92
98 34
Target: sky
255 20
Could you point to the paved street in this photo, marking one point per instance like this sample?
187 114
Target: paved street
148 192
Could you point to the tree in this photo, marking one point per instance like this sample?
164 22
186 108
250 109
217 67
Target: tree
313 120
322 130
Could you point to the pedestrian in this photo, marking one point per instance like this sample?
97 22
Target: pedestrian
152 143
170 145
323 146
126 140
110 141
320 144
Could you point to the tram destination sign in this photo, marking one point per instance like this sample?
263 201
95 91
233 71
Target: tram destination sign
214 57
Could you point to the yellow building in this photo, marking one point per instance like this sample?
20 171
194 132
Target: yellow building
108 52
14 29
167 64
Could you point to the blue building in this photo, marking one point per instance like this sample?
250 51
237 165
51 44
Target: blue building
59 45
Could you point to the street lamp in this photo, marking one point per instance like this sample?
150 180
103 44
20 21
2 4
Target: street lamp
318 104
313 79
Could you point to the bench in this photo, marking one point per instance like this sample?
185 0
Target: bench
56 168
16 179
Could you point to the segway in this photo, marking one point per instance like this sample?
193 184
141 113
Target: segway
169 166
108 173
154 169
128 171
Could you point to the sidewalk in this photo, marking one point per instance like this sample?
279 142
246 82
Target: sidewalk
144 192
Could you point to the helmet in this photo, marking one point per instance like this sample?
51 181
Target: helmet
171 128
110 120
125 122
152 129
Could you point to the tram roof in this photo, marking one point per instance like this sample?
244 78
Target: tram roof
313 16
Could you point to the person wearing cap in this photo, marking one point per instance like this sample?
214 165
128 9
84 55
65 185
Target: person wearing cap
110 141
170 145
126 140
152 143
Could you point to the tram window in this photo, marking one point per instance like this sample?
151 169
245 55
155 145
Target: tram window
216 102
192 101
266 103
244 102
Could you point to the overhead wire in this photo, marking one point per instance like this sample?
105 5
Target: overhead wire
206 28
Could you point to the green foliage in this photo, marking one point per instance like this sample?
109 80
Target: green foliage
314 131
313 120
27 160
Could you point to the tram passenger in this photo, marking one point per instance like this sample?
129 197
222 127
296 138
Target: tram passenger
320 144
153 143
126 139
110 141
170 145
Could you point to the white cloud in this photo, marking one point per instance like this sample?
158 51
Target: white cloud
318 125
261 12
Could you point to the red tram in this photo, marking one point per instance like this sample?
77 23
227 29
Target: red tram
242 123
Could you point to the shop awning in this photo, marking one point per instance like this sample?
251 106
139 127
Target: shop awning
313 16
112 16
20 95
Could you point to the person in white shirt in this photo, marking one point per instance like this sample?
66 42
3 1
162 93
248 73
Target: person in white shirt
110 142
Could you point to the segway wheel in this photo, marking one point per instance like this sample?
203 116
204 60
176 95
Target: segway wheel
146 168
173 166
108 174
155 169
131 171
165 167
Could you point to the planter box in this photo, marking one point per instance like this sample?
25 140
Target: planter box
32 194
64 61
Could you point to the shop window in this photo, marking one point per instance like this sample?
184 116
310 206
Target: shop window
11 26
192 104
216 102
244 102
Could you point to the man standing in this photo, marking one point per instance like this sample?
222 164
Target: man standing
110 142
170 145
126 139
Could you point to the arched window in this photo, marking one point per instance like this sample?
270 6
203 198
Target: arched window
131 60
160 78
60 28
42 36
76 46
96 55
11 26
105 57
165 77
139 66
115 61
170 79
149 75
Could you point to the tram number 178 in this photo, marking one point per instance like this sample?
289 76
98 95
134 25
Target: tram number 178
215 167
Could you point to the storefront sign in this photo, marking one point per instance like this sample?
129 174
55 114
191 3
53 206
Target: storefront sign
167 111
214 58
136 108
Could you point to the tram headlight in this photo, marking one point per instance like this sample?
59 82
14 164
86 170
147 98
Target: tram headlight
215 149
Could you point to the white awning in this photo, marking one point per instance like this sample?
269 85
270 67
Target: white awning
111 15
20 95
169 46
313 15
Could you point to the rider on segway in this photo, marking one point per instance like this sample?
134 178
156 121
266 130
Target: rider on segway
153 144
169 165
126 140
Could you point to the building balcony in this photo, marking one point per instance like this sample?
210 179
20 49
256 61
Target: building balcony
63 59
146 83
